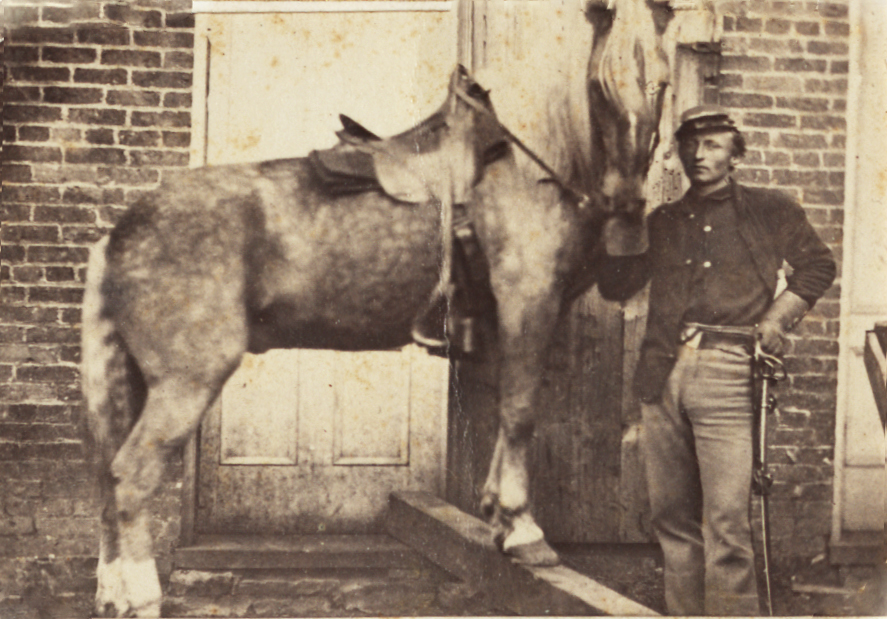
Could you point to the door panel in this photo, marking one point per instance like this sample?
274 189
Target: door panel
307 441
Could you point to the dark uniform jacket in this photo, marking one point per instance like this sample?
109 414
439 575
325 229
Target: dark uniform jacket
772 225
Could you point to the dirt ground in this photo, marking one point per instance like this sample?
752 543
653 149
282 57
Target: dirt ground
813 588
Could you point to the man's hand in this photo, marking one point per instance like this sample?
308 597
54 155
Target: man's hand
772 337
772 332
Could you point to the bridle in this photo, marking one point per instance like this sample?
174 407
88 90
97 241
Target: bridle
583 200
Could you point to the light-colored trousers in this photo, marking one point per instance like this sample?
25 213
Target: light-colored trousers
697 445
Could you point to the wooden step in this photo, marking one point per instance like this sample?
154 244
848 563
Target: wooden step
231 552
462 545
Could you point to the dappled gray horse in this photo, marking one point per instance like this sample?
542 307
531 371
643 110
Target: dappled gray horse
226 260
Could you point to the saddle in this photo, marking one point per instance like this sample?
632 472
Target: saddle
409 167
403 166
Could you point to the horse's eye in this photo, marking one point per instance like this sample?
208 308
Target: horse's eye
476 92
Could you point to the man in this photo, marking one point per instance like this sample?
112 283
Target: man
712 259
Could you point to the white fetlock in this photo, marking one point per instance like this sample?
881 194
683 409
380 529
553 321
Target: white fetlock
132 588
524 531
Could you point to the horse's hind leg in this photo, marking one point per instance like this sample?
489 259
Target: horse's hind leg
114 391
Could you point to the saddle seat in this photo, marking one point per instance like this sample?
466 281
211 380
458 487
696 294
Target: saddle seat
408 166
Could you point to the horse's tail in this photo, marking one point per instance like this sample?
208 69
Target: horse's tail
113 386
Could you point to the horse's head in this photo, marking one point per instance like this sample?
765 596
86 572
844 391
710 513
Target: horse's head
627 77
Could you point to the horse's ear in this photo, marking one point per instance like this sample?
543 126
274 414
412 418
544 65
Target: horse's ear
663 13
600 14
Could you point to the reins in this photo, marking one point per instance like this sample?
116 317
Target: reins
582 198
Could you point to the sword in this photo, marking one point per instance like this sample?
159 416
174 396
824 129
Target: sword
767 370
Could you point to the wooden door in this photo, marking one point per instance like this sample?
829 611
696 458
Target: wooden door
307 441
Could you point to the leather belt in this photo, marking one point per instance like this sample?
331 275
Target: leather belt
697 335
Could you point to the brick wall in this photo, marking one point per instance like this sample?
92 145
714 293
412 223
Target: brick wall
97 107
784 72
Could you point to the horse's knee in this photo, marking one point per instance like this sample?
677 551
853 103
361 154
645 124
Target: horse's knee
519 431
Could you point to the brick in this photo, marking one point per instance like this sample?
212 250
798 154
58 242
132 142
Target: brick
833 160
824 86
777 158
14 212
807 28
60 274
824 123
133 98
11 253
97 116
82 195
798 65
742 100
139 138
95 155
753 176
34 34
800 178
21 15
81 235
796 140
158 158
775 46
161 79
840 67
747 24
28 315
69 55
100 136
11 334
59 14
30 193
839 105
164 39
730 81
769 120
55 295
19 53
178 60
33 134
130 58
839 140
743 64
132 16
803 104
43 254
100 76
127 176
26 275
52 94
18 94
771 83
835 28
32 113
176 139
180 20
834 10
30 234
103 35
824 196
777 26
65 134
63 215
8 134
40 74
15 174
177 99
161 119
806 159
828 47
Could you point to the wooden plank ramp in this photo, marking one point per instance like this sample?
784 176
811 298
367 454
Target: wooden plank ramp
463 545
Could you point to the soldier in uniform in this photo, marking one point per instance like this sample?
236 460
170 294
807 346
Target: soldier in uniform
712 260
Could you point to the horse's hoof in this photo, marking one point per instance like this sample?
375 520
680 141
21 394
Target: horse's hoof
537 554
488 506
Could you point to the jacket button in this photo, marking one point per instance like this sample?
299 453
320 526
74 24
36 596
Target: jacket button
706 264
689 261
707 228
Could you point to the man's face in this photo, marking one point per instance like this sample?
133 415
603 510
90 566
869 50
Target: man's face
707 158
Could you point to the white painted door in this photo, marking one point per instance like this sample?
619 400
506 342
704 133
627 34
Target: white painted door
306 441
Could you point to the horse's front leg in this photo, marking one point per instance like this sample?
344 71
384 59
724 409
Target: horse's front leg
526 325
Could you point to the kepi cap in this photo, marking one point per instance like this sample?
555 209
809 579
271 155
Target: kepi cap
705 118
